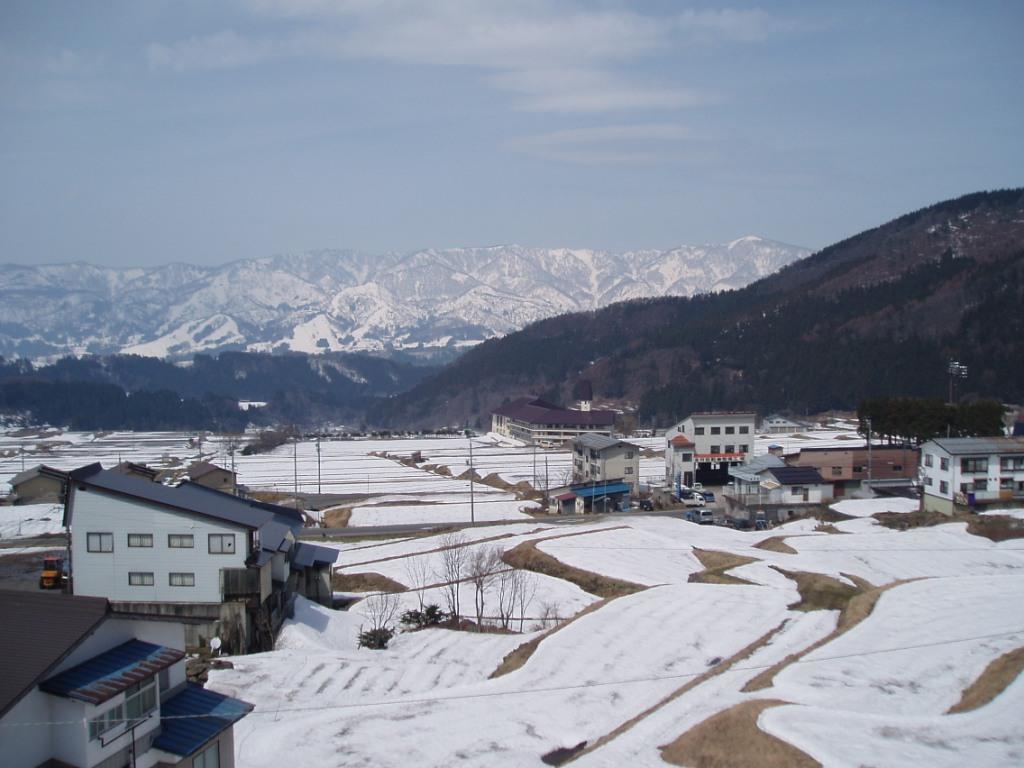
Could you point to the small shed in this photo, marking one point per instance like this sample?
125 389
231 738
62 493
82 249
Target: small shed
39 485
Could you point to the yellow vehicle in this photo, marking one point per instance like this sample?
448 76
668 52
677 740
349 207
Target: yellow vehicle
53 576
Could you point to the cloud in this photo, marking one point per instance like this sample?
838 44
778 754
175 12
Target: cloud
555 57
633 144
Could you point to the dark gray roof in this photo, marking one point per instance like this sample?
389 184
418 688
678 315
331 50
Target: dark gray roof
36 471
796 475
187 497
203 468
536 411
38 632
962 446
307 555
600 442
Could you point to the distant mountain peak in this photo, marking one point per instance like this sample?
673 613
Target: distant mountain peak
345 301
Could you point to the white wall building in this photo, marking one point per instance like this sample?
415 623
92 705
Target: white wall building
600 458
225 566
93 689
720 440
971 471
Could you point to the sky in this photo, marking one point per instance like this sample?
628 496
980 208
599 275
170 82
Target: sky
142 132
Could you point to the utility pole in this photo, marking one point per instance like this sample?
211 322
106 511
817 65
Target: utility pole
295 470
472 509
318 465
547 485
869 451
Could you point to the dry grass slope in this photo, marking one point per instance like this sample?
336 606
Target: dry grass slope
364 582
991 682
776 544
731 739
715 566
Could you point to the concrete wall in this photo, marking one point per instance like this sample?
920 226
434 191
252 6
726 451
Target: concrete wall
105 574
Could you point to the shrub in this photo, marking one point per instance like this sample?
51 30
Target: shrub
430 616
376 639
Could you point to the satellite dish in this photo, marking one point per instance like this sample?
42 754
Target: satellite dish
215 644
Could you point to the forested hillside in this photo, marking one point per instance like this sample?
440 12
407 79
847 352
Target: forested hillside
879 314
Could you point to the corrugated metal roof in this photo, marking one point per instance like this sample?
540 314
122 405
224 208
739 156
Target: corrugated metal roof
103 677
39 630
307 555
602 490
536 411
959 446
196 716
187 497
797 475
600 442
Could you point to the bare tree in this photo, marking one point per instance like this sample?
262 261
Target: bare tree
417 569
526 589
381 608
506 581
484 563
453 567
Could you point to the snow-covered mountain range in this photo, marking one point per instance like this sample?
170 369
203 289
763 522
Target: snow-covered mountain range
431 300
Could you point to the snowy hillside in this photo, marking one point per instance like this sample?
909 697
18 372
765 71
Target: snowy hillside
346 301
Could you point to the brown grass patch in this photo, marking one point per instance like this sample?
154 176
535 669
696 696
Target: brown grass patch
715 566
991 527
364 582
519 655
529 558
731 739
819 592
337 517
829 515
857 609
776 544
991 682
826 528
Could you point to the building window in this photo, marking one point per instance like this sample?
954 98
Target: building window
974 465
222 543
698 430
730 449
99 542
182 579
943 487
716 430
730 430
715 448
897 467
980 484
744 430
140 539
686 457
944 464
629 454
837 471
110 719
928 459
928 482
629 470
798 490
1012 463
180 540
744 448
857 469
140 579
140 699
208 758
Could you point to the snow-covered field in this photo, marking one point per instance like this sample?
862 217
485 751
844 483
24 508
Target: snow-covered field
642 669
874 695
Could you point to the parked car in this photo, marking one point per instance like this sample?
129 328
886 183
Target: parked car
709 496
703 516
647 505
694 500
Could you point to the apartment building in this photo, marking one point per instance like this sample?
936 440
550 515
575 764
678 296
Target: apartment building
711 443
968 472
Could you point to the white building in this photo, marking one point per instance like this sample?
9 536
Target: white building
719 440
971 471
538 422
85 687
225 566
599 458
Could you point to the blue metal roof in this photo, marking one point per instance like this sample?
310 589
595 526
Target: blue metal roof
194 717
103 677
600 490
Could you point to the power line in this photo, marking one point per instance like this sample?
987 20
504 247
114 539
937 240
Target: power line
561 688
